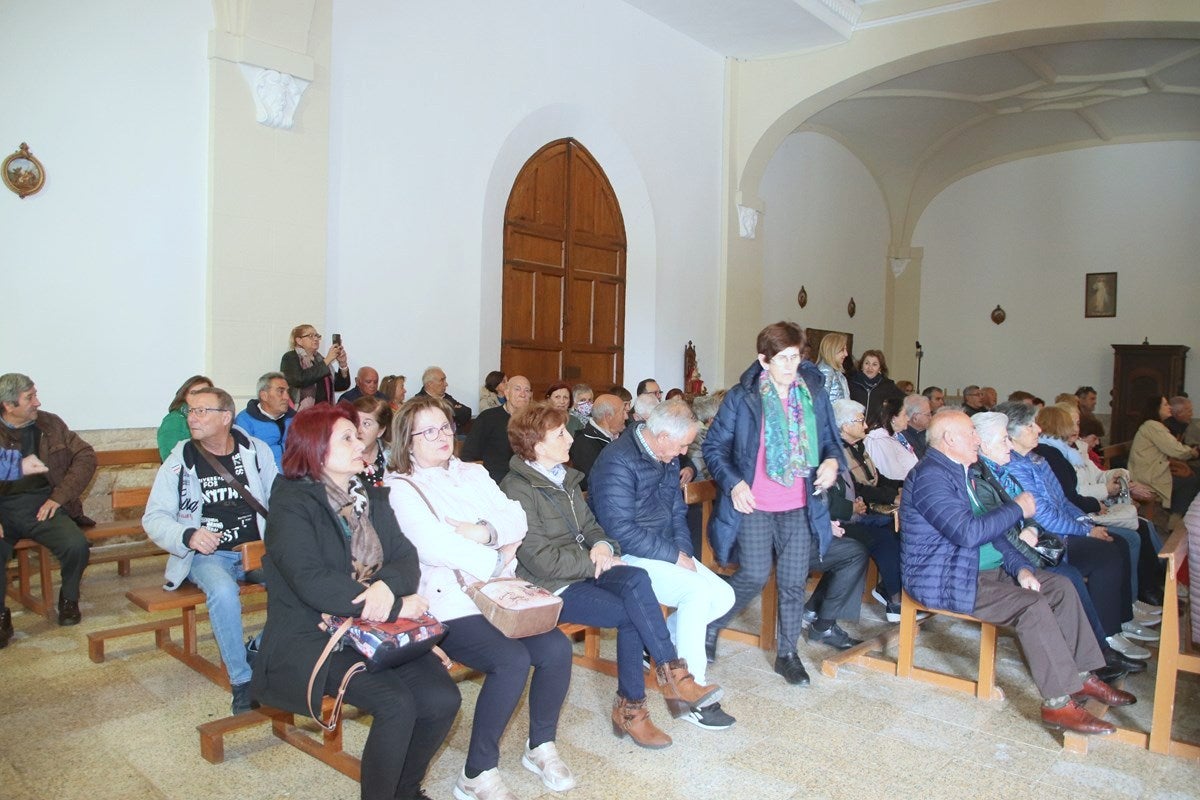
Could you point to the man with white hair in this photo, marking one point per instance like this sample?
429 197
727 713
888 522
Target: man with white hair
954 556
634 493
606 423
434 384
916 406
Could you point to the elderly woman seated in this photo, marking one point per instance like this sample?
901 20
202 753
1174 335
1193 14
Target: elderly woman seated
705 406
993 488
1102 558
886 445
848 505
567 552
872 487
1075 471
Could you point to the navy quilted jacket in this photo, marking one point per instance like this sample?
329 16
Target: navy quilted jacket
939 548
731 450
1055 512
637 501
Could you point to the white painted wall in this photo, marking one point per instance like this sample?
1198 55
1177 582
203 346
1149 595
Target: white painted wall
1024 235
104 268
435 109
825 228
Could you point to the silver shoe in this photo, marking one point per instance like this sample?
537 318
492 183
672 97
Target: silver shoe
1132 630
1127 648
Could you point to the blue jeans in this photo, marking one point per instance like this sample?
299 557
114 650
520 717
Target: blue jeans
217 575
1134 540
622 598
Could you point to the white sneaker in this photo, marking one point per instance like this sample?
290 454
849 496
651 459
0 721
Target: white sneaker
1127 648
1146 620
1145 608
1134 631
487 785
545 762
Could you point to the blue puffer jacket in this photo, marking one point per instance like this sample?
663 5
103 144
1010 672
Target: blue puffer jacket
731 450
939 549
1055 512
637 501
254 422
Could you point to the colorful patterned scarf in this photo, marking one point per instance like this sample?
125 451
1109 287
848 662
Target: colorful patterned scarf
790 432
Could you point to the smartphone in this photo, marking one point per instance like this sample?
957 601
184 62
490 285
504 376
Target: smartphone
337 339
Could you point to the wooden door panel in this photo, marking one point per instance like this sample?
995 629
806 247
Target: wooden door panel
607 322
542 366
530 248
602 259
539 195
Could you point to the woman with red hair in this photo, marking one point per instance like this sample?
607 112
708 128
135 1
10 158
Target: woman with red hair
335 549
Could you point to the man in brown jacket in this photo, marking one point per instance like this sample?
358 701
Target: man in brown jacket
41 507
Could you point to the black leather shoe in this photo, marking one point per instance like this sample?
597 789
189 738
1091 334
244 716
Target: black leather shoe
1119 661
6 628
1151 595
834 637
241 698
710 644
792 669
1110 674
68 611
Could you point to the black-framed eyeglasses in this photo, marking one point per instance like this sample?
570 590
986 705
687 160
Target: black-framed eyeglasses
432 434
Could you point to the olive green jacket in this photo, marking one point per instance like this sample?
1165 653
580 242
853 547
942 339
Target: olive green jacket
562 531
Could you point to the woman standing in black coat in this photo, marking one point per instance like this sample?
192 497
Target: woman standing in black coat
309 375
870 384
333 547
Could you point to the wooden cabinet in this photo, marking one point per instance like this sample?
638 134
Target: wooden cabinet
1142 371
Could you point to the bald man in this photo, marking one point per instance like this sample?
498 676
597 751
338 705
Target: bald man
606 423
366 384
954 556
488 439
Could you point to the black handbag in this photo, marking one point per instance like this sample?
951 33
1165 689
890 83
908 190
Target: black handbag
1050 549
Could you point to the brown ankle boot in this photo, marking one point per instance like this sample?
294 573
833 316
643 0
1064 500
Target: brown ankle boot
681 691
630 718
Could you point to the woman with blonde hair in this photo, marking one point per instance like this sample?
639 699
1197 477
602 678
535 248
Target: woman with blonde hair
311 377
831 355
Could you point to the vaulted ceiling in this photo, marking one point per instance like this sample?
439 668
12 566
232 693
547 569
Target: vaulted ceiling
920 132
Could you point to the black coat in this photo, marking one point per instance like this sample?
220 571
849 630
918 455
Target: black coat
586 449
298 377
488 442
308 572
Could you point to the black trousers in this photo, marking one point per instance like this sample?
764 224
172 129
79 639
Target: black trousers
1105 566
60 534
413 707
505 663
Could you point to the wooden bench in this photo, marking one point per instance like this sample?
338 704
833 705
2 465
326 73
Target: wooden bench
101 535
1115 456
185 600
984 686
1175 655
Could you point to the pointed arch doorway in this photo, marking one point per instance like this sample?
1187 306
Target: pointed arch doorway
563 296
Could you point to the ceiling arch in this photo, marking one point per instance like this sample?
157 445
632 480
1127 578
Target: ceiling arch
920 132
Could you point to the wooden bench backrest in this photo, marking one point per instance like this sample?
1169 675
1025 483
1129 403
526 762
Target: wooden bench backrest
252 554
703 493
122 458
1115 455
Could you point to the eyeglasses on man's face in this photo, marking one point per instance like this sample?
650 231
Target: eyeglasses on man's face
198 411
431 434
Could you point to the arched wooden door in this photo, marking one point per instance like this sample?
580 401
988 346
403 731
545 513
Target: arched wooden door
564 272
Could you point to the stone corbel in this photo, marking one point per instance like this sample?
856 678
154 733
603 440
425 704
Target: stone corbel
747 222
276 76
898 265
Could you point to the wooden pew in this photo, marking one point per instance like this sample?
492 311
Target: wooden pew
984 686
1176 654
100 537
186 600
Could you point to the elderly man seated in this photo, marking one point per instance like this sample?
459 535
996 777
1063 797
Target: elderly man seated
954 556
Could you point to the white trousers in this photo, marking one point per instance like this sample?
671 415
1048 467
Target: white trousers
698 598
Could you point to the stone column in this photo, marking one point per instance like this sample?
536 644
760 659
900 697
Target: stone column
902 312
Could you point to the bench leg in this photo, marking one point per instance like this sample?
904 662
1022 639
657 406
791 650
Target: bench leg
986 686
908 638
770 615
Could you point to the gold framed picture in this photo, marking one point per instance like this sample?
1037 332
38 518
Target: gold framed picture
23 173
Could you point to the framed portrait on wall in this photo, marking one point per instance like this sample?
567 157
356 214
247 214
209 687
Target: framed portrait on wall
1100 294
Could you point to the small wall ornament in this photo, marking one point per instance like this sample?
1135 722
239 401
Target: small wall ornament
22 173
802 298
851 308
998 315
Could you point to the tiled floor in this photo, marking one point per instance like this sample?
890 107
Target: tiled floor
126 729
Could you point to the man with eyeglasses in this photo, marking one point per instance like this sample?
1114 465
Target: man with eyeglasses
47 506
488 439
199 512
919 416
